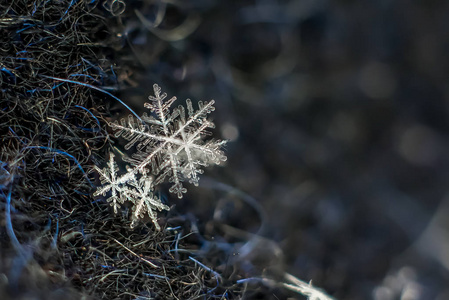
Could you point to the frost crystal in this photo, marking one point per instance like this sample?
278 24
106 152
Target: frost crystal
110 182
144 200
169 144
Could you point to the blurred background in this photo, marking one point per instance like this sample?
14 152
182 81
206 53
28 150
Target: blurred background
337 117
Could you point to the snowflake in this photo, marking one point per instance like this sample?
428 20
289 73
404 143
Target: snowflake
110 182
144 201
169 145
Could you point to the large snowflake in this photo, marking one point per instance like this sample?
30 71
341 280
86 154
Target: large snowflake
170 144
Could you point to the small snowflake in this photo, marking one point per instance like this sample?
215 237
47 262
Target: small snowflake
144 200
110 182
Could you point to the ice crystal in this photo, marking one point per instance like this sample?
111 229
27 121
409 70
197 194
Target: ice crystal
171 142
110 182
170 145
144 200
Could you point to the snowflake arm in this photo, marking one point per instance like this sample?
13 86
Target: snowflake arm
306 289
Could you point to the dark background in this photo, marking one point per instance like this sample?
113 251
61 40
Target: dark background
337 115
